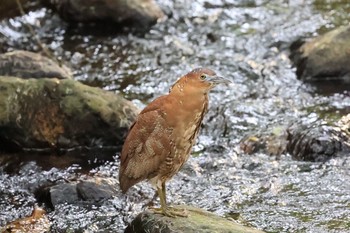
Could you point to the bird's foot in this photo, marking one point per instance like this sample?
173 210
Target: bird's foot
170 211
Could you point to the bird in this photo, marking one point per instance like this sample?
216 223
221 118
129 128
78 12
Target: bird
160 140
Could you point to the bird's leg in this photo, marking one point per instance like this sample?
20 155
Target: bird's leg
166 210
164 192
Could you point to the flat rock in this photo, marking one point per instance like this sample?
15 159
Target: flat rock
25 64
324 57
54 114
198 221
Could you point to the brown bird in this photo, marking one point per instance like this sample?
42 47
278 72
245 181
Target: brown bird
160 140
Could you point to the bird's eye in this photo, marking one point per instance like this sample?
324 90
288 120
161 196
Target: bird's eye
203 77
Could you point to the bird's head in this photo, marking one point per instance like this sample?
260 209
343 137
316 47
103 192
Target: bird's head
200 79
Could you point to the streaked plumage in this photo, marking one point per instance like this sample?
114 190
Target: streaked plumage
160 140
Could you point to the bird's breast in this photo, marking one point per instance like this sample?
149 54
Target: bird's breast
188 121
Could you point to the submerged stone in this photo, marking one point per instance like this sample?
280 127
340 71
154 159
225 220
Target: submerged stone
198 221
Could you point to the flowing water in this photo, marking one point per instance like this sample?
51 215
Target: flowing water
245 41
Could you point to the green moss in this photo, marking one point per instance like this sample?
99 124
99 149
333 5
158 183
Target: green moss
197 221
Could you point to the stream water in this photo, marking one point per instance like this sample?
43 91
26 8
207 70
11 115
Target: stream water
245 41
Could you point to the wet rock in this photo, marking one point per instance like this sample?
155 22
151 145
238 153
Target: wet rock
63 193
58 114
318 141
140 12
324 57
198 221
251 144
304 140
88 192
26 64
96 191
272 142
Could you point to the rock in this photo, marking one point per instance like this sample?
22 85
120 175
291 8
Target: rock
63 193
251 144
96 191
272 141
198 221
87 192
324 57
60 114
24 64
315 141
318 141
143 13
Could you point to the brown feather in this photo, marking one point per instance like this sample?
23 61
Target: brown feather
145 147
160 141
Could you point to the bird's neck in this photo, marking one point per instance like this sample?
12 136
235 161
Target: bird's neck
189 99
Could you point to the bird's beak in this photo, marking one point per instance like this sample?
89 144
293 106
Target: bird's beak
215 80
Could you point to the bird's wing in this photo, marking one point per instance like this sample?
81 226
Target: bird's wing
146 147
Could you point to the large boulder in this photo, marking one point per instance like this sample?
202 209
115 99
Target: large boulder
140 12
25 64
324 57
198 221
58 114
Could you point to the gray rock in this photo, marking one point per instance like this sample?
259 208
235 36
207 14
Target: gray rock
95 191
315 141
324 57
142 12
198 221
24 64
87 192
318 141
64 193
60 114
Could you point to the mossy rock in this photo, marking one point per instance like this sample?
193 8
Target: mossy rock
59 114
198 221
